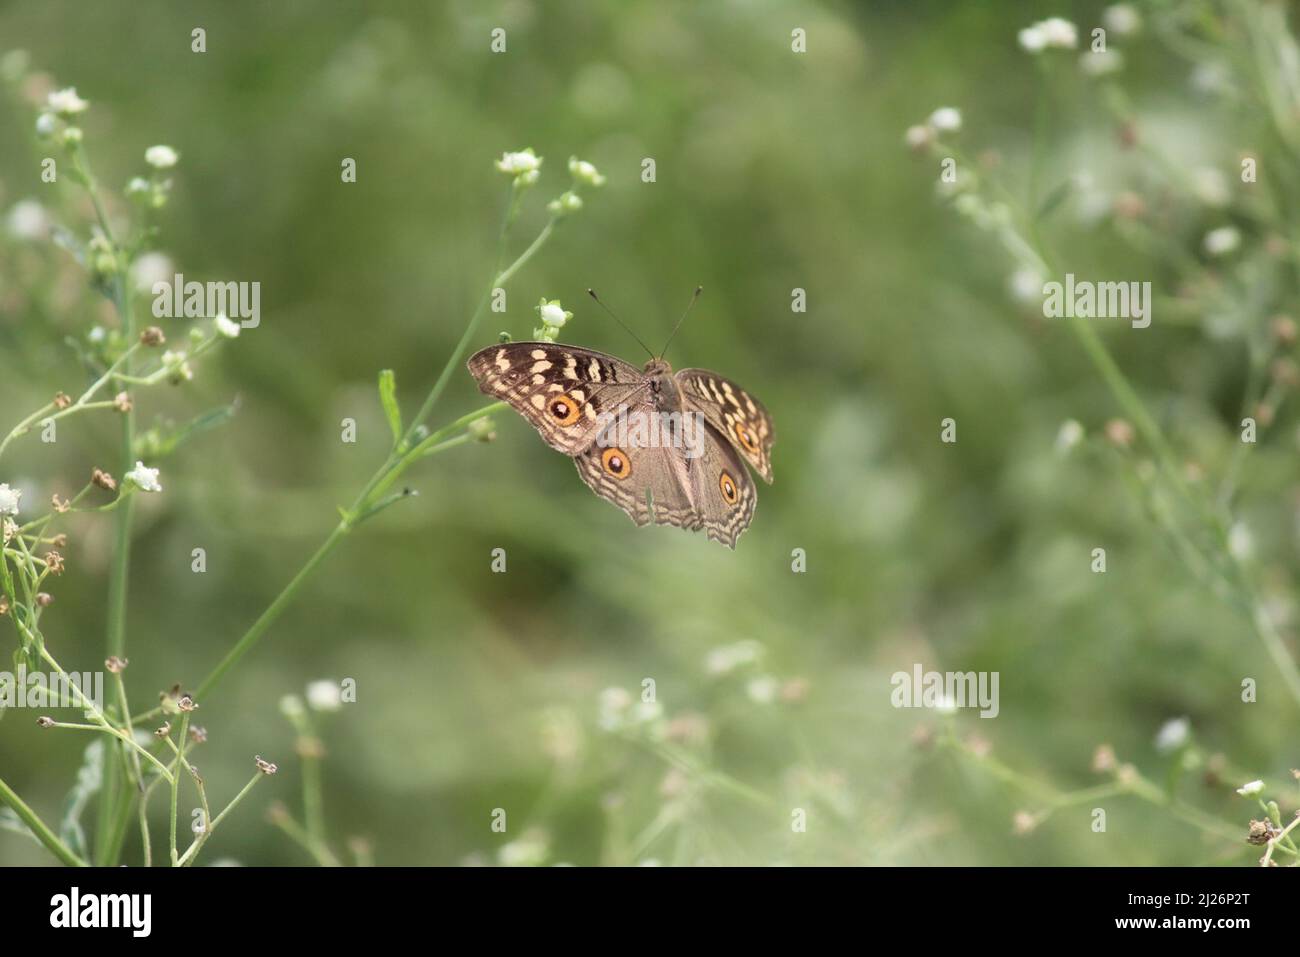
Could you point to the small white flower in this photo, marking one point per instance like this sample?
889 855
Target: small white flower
1251 788
1101 62
1069 435
647 712
225 326
727 658
161 157
9 500
1059 32
97 334
763 689
46 124
66 102
1121 20
584 172
1221 241
291 706
1173 735
946 119
28 220
324 696
1026 285
1053 32
176 364
530 850
918 136
138 186
516 164
612 710
553 313
1032 38
150 268
144 478
1210 186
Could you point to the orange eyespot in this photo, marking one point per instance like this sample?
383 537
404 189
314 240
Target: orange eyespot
727 485
563 409
615 463
745 438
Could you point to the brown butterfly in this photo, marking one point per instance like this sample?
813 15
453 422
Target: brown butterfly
664 447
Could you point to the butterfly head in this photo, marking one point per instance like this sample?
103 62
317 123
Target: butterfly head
657 368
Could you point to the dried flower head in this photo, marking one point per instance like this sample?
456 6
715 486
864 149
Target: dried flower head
266 767
4 605
54 562
62 400
103 480
163 730
1261 832
153 336
1103 759
115 665
44 721
198 734
122 402
60 505
186 704
44 599
1119 432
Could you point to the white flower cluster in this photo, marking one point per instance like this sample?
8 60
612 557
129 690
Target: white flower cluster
1053 32
946 119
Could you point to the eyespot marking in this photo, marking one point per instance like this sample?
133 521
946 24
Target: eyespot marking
563 410
727 485
615 463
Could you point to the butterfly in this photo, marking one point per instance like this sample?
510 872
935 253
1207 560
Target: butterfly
665 447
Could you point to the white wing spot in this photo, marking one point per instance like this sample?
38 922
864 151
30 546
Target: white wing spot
538 379
538 401
593 371
541 366
539 353
502 362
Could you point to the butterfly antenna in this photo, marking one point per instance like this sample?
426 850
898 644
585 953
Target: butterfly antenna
592 294
694 296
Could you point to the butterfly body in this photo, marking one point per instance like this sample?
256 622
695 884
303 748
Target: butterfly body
665 447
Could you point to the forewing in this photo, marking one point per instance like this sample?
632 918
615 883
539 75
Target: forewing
560 389
737 415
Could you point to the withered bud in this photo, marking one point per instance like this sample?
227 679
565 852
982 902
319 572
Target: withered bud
1285 372
61 505
186 703
115 664
1103 759
1120 433
198 734
1130 206
122 402
44 599
153 336
266 767
62 400
1261 832
164 730
54 562
103 480
60 540
44 721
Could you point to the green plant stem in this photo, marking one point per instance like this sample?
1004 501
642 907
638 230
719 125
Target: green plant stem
317 849
39 828
192 851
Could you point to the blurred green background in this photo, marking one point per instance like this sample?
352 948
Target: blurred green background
775 171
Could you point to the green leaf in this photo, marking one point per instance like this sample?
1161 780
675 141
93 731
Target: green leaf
388 398
10 821
154 444
90 778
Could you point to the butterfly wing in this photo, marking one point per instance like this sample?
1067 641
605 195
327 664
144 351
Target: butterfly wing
641 482
561 390
733 412
725 496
